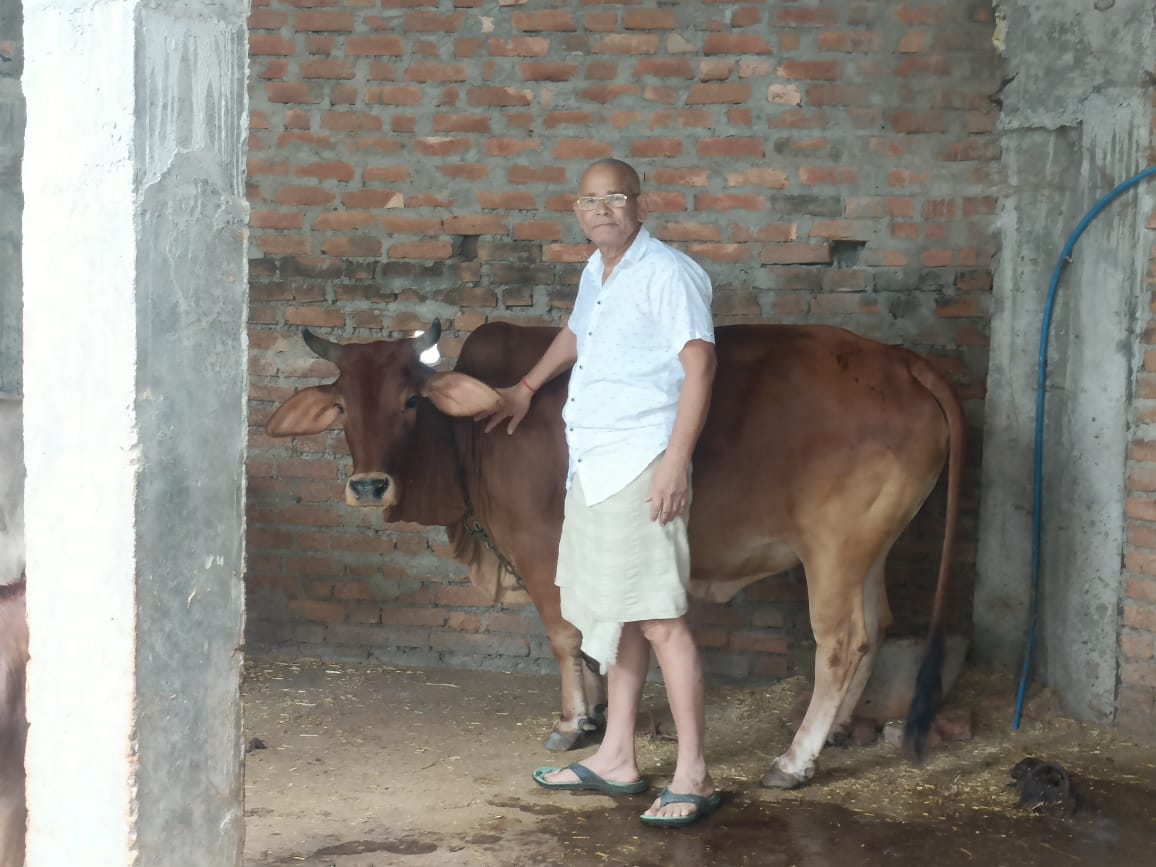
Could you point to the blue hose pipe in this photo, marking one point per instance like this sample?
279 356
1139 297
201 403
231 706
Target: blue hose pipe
1037 496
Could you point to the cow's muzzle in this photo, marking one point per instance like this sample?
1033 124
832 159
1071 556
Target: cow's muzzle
370 490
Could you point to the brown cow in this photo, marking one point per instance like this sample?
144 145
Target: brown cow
13 634
820 447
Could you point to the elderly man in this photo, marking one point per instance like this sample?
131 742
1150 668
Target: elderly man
640 348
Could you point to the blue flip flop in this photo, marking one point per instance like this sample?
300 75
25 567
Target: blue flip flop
588 781
704 805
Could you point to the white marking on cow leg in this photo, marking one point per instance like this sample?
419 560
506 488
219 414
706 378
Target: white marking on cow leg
837 620
877 618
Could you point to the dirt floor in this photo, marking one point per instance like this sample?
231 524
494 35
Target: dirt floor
372 765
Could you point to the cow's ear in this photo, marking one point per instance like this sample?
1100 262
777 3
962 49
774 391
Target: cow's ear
460 395
309 411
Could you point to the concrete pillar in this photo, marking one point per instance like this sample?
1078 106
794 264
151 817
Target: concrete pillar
1075 122
135 306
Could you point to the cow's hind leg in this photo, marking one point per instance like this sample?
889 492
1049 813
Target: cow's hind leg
877 618
842 643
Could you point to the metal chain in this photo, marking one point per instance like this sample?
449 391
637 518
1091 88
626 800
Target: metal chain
472 524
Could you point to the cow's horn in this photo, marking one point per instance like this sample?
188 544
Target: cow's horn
429 339
321 347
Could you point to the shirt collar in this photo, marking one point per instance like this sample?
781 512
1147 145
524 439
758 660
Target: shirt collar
633 253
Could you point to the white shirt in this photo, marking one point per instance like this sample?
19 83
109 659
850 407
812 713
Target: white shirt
625 384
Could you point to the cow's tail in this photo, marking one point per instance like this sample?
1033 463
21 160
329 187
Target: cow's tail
928 683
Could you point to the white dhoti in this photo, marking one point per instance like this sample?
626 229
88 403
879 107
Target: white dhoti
617 566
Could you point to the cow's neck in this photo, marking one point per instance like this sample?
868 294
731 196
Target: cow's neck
432 482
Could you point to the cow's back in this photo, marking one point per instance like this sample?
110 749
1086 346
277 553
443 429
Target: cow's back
801 417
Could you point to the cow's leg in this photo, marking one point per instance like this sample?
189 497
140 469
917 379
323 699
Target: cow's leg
877 619
578 711
836 595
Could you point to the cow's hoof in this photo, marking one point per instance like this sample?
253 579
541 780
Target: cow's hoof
839 738
560 742
777 778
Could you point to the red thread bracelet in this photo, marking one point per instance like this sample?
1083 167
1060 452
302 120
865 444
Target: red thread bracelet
532 389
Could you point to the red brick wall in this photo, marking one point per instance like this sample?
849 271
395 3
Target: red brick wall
1136 703
826 162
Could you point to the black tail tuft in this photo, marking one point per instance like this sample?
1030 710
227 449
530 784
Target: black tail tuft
925 701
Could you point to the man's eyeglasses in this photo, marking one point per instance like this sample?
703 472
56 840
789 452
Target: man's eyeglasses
614 200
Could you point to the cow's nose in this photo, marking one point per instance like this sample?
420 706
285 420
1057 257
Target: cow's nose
372 489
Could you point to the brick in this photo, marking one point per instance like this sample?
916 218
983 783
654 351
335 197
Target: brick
918 121
686 118
772 179
537 230
649 19
373 199
475 225
796 254
1141 589
375 45
350 121
323 21
288 92
337 171
656 148
734 253
822 176
392 95
275 220
582 149
352 246
729 202
421 250
343 220
549 20
520 46
1140 617
1142 508
806 17
548 71
664 67
809 70
1138 647
735 43
498 97
267 19
266 44
469 171
427 71
617 43
328 69
716 93
850 41
432 22
733 147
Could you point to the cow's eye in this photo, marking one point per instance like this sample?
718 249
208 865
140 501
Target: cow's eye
411 402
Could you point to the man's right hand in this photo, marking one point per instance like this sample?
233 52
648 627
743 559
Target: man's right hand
514 404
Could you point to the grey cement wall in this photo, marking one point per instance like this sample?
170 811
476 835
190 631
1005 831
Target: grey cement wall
1075 122
135 417
11 198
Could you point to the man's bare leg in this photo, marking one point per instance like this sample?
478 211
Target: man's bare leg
615 759
681 667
